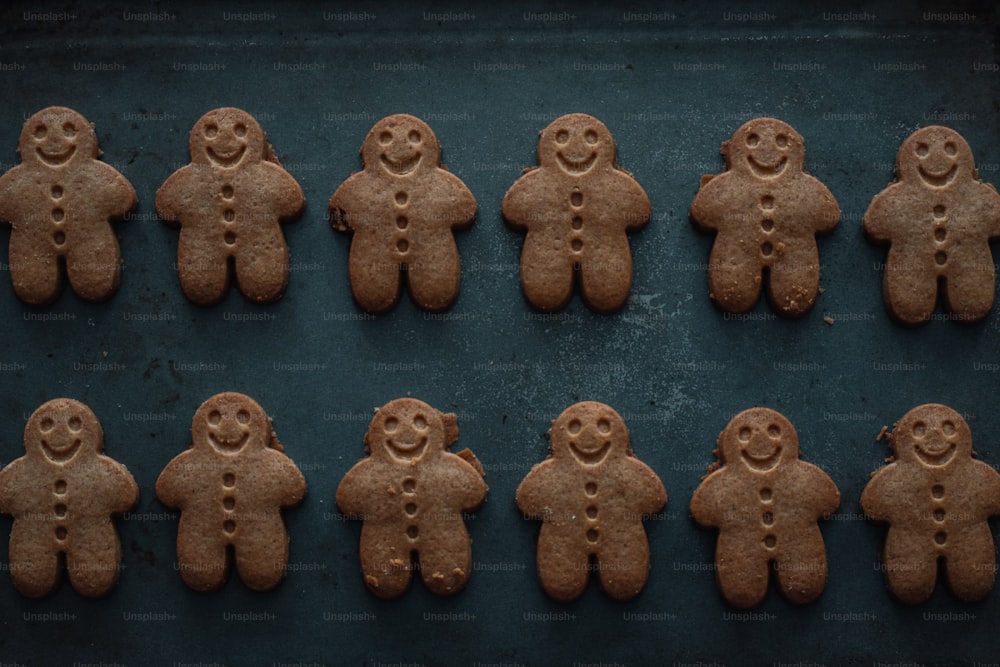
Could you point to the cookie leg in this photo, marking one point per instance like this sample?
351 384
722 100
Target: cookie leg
202 266
34 564
262 267
794 278
385 561
34 270
623 565
971 567
563 566
376 281
433 272
546 272
735 275
969 284
742 571
201 558
94 560
801 570
445 568
910 288
911 573
261 553
606 274
93 263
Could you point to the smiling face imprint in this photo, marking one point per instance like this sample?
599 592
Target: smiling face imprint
401 145
575 143
937 170
767 147
56 135
760 449
60 435
61 428
227 137
227 431
934 444
937 154
589 431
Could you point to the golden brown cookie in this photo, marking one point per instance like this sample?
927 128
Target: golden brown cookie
576 207
60 201
765 211
402 210
412 493
62 494
230 203
765 502
938 219
591 495
230 488
937 501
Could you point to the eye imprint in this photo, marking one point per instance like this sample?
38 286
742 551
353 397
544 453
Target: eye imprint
75 424
243 416
574 426
390 424
919 429
240 129
604 426
590 137
46 425
773 431
922 150
744 435
949 148
69 130
562 136
40 132
753 140
414 137
385 137
781 140
420 423
214 417
211 131
947 428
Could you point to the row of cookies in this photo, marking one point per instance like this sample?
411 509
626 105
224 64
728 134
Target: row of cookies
576 208
591 494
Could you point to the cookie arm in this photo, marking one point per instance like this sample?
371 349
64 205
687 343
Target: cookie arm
472 486
291 482
170 485
988 487
519 206
346 203
872 503
171 197
706 208
117 192
121 486
706 503
631 201
990 194
877 223
826 492
827 211
9 491
461 202
352 492
536 492
646 486
9 200
288 197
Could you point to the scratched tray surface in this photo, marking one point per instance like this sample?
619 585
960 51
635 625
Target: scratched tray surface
671 83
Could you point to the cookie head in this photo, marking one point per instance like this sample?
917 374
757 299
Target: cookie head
589 432
226 138
407 429
766 148
229 423
575 143
932 436
936 155
61 428
57 136
401 145
760 439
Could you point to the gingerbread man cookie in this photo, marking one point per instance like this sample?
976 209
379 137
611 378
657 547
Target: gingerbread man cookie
412 494
765 502
62 494
765 211
402 210
576 207
591 495
938 219
60 201
230 488
937 501
230 203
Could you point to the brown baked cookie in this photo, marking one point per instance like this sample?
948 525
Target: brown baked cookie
938 219
591 495
60 201
412 494
230 203
62 494
230 488
937 501
402 210
576 207
765 211
765 503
